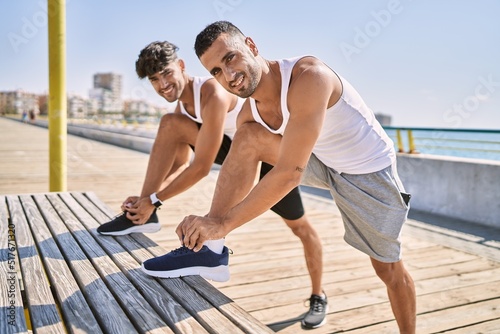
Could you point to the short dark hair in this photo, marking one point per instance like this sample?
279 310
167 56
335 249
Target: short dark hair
154 58
205 38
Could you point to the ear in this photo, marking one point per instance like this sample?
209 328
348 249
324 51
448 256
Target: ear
251 45
182 66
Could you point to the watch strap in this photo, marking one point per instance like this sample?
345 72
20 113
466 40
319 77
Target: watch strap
155 200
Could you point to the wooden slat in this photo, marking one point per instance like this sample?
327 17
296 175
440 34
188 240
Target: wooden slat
41 304
137 308
193 301
12 318
423 256
438 236
163 303
58 245
227 306
224 304
491 327
440 321
99 168
432 281
197 306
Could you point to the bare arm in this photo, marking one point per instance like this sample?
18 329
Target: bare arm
215 102
308 98
231 185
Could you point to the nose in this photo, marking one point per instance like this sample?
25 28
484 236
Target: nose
229 74
163 82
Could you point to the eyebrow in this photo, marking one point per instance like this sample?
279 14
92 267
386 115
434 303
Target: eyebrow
223 59
226 55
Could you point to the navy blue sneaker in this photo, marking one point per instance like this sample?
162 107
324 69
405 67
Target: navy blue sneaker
121 225
185 262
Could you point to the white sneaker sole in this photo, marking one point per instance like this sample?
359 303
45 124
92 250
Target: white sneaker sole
318 325
146 228
217 274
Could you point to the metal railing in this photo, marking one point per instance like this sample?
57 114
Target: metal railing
469 143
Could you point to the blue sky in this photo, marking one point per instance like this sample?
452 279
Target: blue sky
426 63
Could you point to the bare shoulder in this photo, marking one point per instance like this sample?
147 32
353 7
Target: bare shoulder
214 95
212 88
312 77
310 67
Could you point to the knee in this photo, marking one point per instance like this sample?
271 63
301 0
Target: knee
172 128
252 133
392 274
170 120
252 140
301 228
247 133
246 141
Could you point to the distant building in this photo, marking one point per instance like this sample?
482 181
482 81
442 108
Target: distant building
107 93
138 107
18 102
384 120
104 100
79 107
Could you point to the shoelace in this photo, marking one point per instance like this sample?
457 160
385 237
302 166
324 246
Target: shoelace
316 304
184 250
181 250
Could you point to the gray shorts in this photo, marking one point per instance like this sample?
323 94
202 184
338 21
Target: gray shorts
373 206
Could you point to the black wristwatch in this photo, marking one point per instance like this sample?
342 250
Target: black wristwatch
155 200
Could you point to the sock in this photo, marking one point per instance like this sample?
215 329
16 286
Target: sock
215 246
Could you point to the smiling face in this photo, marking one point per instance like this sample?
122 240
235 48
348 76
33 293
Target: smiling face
232 62
169 82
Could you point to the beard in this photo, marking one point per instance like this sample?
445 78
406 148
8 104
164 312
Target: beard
253 81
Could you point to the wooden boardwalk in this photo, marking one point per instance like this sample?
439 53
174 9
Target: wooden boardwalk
457 275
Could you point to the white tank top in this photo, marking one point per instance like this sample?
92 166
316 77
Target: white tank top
351 140
230 123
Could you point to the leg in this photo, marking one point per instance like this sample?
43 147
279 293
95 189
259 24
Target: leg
251 144
171 153
313 251
401 291
373 212
290 208
169 156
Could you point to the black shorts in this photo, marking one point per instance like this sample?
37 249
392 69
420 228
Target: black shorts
289 207
223 150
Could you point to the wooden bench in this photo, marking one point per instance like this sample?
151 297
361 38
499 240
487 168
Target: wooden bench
59 275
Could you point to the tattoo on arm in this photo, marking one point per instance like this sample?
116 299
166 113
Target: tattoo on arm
299 169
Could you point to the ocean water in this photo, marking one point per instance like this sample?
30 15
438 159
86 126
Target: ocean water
474 144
